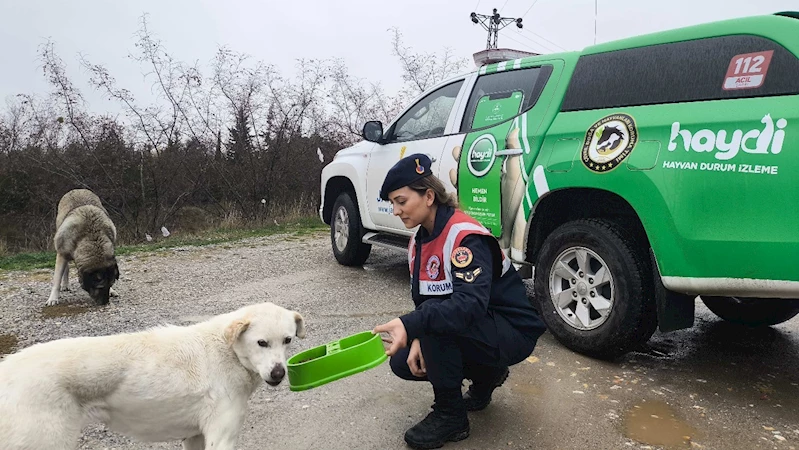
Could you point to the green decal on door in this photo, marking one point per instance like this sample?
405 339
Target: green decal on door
480 169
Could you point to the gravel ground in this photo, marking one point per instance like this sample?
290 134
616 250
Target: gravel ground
715 386
179 286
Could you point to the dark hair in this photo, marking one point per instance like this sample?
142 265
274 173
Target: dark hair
442 197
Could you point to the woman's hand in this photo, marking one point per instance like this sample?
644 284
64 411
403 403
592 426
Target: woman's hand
397 336
416 359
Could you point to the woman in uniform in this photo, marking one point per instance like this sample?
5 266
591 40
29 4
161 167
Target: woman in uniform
472 318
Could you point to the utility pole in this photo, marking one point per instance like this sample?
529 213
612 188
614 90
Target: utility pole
596 9
493 24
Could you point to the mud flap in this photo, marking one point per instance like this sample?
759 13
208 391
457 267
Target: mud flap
675 311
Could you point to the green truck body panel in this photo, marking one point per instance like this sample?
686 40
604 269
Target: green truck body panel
703 215
714 182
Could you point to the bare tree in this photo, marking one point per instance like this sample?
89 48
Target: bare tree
421 71
66 94
169 153
13 125
75 118
354 101
239 84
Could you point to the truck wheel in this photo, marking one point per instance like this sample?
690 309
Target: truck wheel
346 233
753 312
594 288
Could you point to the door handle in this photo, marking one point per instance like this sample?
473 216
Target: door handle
509 152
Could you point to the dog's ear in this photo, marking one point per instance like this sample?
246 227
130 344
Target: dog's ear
300 325
234 330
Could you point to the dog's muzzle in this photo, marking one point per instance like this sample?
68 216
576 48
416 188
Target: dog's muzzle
276 375
101 295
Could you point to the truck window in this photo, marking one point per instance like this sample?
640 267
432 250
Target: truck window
717 68
514 85
428 117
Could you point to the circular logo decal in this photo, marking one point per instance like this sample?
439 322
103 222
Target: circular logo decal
608 142
481 155
433 264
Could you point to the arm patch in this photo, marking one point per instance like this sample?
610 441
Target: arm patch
462 257
469 275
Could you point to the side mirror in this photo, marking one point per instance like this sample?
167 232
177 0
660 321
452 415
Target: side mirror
373 131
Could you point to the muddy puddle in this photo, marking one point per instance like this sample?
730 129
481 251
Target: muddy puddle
65 310
656 423
8 343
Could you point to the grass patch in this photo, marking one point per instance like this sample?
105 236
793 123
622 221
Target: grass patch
299 227
28 261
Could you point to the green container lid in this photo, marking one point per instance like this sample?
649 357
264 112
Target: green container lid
338 359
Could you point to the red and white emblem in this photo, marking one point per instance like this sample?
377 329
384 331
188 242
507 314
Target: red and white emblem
433 266
747 71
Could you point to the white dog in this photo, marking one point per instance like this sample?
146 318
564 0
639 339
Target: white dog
166 383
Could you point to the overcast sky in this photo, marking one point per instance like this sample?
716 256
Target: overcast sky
277 32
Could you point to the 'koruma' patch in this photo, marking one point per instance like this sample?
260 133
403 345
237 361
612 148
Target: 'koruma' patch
608 142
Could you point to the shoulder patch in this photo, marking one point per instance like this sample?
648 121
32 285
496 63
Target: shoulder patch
461 257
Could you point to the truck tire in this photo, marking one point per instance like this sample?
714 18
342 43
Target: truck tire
594 288
346 232
754 312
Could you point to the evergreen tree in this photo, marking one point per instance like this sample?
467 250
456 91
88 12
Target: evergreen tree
239 145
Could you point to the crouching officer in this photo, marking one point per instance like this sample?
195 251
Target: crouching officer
472 318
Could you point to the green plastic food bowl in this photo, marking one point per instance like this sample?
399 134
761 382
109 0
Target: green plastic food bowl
338 359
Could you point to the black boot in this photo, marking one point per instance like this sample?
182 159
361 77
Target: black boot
479 394
447 423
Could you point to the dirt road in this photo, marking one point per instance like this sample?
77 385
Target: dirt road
716 386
